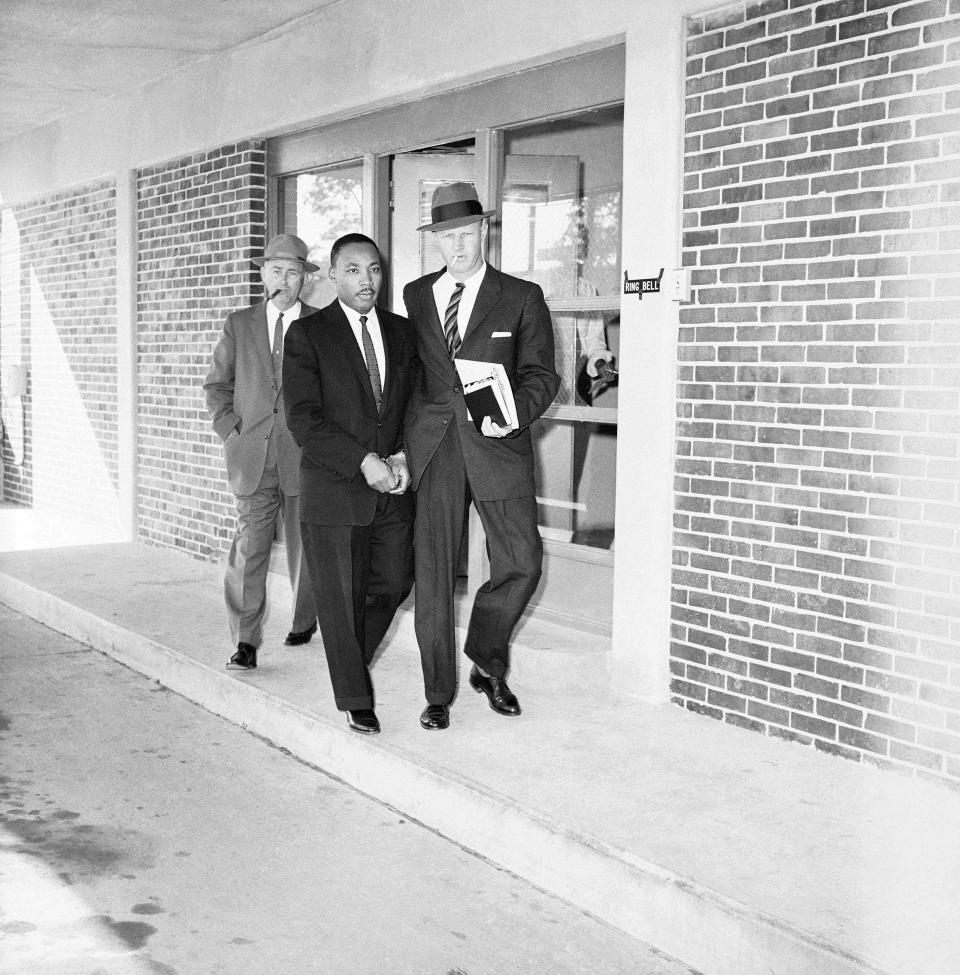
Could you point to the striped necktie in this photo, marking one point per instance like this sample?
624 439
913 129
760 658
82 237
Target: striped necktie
450 330
373 367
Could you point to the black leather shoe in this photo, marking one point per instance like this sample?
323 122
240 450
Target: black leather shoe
245 657
501 698
435 717
296 637
364 721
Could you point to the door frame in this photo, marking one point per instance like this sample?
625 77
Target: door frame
539 92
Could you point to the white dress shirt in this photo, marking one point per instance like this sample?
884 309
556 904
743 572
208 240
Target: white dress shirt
444 287
289 317
376 336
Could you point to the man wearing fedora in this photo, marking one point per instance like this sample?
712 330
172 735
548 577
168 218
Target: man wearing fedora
470 310
243 391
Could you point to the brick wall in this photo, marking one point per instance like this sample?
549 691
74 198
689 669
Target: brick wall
817 577
15 457
200 219
58 318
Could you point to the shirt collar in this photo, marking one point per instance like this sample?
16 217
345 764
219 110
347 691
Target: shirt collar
353 316
470 283
290 315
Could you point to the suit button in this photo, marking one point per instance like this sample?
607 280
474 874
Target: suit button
274 411
444 422
456 389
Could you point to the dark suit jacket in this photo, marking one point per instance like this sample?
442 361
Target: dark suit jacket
241 392
510 324
332 414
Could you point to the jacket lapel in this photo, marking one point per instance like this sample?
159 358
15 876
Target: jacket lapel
261 341
268 348
389 355
487 296
342 333
428 308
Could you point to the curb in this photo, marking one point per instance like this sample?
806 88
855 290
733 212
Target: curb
713 933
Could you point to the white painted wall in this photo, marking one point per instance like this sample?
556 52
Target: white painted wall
652 183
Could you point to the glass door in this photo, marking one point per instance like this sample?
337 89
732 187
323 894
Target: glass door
560 211
559 225
415 176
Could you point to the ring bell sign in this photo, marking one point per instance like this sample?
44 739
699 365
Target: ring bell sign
641 286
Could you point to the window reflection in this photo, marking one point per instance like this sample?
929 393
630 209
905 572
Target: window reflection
319 207
539 223
575 461
560 227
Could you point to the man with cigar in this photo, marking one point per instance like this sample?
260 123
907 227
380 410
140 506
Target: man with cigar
348 371
472 311
243 392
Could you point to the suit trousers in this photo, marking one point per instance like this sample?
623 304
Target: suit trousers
245 578
515 550
361 574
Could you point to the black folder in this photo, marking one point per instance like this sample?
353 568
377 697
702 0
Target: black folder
481 402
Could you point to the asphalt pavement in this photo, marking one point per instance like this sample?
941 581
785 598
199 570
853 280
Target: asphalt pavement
140 834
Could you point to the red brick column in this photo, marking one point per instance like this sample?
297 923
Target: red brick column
200 219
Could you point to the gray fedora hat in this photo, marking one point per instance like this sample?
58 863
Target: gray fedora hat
285 247
455 205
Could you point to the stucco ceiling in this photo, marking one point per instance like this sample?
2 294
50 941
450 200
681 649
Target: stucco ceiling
56 56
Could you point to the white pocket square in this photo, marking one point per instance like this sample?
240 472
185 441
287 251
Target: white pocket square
501 335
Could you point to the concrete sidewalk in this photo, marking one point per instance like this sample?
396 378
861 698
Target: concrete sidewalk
736 853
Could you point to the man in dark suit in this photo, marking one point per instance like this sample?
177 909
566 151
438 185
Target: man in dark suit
243 390
348 371
472 311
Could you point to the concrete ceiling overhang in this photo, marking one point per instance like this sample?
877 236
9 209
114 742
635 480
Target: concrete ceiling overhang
57 57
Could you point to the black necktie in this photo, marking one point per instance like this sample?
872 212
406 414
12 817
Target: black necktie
373 367
450 330
278 347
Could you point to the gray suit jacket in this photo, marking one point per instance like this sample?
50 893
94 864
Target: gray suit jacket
243 396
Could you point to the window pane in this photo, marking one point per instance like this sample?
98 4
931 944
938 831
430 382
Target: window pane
539 222
320 207
560 227
575 471
561 203
580 338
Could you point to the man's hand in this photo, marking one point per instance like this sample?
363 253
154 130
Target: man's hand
378 474
605 368
490 429
398 464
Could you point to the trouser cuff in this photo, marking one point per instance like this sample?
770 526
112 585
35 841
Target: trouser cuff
354 703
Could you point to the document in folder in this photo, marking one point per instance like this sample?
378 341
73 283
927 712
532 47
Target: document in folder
487 391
